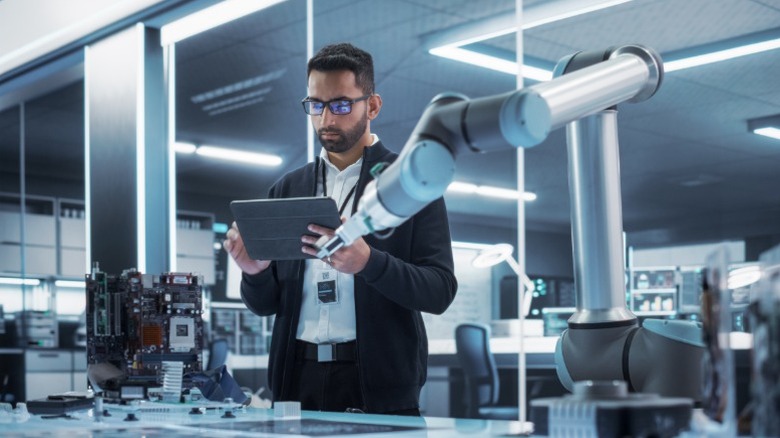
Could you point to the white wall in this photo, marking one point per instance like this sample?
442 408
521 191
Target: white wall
30 29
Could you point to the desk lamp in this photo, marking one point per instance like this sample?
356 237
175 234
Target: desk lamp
491 256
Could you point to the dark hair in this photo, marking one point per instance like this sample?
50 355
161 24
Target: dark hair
345 56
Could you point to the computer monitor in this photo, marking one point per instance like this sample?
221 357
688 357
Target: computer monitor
549 291
690 289
556 319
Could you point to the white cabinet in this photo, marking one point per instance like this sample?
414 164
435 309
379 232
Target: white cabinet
40 258
79 371
39 228
73 262
47 372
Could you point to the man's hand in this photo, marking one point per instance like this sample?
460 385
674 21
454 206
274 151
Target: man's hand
349 259
234 245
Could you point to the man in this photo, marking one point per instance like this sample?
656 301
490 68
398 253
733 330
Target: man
359 342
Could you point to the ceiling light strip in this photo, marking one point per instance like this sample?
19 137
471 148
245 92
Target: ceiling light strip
490 62
550 12
449 44
721 55
70 284
504 24
768 132
209 18
489 191
238 155
184 148
20 281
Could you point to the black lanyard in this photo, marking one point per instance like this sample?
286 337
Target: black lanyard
325 189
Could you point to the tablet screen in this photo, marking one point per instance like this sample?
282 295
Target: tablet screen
272 228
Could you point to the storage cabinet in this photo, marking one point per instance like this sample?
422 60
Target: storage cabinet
79 370
72 238
47 372
39 227
55 238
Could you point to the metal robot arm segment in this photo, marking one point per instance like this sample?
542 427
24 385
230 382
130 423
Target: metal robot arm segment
452 123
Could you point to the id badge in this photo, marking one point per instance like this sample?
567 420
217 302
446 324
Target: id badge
326 286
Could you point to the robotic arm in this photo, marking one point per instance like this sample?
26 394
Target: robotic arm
603 341
452 123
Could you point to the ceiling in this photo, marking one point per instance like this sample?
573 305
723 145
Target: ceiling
690 170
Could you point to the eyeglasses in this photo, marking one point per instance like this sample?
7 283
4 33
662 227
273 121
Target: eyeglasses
338 107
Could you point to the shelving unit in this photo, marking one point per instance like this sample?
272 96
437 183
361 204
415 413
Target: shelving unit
55 238
653 291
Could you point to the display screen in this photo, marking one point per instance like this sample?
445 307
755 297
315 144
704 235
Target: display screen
690 290
653 279
653 291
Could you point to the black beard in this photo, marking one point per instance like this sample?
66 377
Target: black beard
346 140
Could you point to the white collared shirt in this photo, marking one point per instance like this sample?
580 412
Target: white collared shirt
333 322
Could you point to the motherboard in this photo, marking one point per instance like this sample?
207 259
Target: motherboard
138 321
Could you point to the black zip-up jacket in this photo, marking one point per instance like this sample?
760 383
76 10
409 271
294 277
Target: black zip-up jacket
409 272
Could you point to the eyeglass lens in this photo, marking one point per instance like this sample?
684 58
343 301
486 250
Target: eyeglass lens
340 107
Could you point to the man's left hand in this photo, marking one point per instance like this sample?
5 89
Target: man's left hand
348 259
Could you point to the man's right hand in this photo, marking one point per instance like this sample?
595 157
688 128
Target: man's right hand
234 245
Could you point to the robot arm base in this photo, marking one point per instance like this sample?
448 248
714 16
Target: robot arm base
662 358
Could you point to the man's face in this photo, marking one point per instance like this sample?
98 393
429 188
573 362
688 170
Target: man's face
338 133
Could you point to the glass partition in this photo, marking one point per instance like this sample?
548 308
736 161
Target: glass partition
9 150
41 211
11 189
238 88
10 205
399 35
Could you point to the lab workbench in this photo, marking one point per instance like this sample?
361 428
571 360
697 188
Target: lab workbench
174 422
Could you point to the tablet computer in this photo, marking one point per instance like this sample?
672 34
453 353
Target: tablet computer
272 228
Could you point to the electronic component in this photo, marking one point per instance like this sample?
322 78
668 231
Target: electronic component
606 409
59 404
38 328
137 322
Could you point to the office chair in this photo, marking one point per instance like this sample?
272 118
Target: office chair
472 342
218 353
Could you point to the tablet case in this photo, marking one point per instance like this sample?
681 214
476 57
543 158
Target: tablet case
272 228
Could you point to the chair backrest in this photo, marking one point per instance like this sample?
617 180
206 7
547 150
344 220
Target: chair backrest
217 353
472 342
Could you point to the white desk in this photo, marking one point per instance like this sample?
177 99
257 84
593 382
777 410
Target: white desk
252 421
